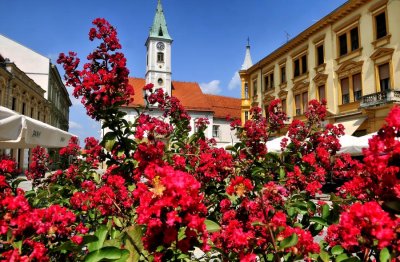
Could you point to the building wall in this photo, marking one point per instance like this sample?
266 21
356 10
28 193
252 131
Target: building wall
226 136
39 68
365 60
35 65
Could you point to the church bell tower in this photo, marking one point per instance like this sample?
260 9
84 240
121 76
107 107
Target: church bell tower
158 44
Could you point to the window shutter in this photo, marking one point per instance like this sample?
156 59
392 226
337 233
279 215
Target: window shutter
357 82
384 71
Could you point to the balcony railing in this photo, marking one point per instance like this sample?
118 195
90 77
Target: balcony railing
380 98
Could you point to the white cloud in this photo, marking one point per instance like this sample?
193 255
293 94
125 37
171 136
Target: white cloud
75 125
211 87
235 82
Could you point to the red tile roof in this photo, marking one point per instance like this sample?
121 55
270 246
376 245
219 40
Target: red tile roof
192 98
225 106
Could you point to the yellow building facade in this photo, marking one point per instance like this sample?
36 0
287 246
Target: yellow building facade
351 58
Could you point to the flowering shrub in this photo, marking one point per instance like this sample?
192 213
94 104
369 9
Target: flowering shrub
166 190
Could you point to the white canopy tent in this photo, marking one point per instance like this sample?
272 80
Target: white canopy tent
274 145
350 144
19 131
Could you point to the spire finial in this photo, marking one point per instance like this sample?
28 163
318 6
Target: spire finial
247 58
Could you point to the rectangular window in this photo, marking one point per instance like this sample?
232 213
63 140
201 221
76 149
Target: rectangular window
349 41
255 88
357 88
297 99
321 92
23 108
160 57
14 104
320 54
38 116
380 22
344 83
283 102
246 90
343 44
246 116
305 101
271 81
283 74
32 111
304 64
384 77
296 67
354 39
266 82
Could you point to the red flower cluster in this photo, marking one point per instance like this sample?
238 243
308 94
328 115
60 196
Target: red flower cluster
39 164
110 199
363 226
103 82
316 111
72 149
377 178
255 133
20 222
170 200
151 127
276 116
92 152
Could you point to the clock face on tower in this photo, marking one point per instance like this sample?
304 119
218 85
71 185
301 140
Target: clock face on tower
160 46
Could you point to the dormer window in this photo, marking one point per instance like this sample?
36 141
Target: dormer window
160 32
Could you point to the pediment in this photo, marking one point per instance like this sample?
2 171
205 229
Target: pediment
348 65
268 98
381 52
301 86
320 79
349 68
282 94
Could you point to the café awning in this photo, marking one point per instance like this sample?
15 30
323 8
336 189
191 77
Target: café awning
19 131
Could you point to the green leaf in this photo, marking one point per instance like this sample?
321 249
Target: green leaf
109 253
101 234
109 144
212 226
384 255
134 242
117 222
352 259
89 239
282 172
319 220
324 256
325 211
337 250
289 241
341 257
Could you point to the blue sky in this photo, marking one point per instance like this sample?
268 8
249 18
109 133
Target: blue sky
209 35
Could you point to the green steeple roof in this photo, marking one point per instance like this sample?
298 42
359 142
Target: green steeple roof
159 28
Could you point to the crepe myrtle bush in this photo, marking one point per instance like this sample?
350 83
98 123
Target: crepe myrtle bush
165 190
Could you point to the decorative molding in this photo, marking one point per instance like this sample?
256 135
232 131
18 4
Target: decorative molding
300 87
318 40
268 98
378 6
382 52
348 23
349 68
282 94
320 79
